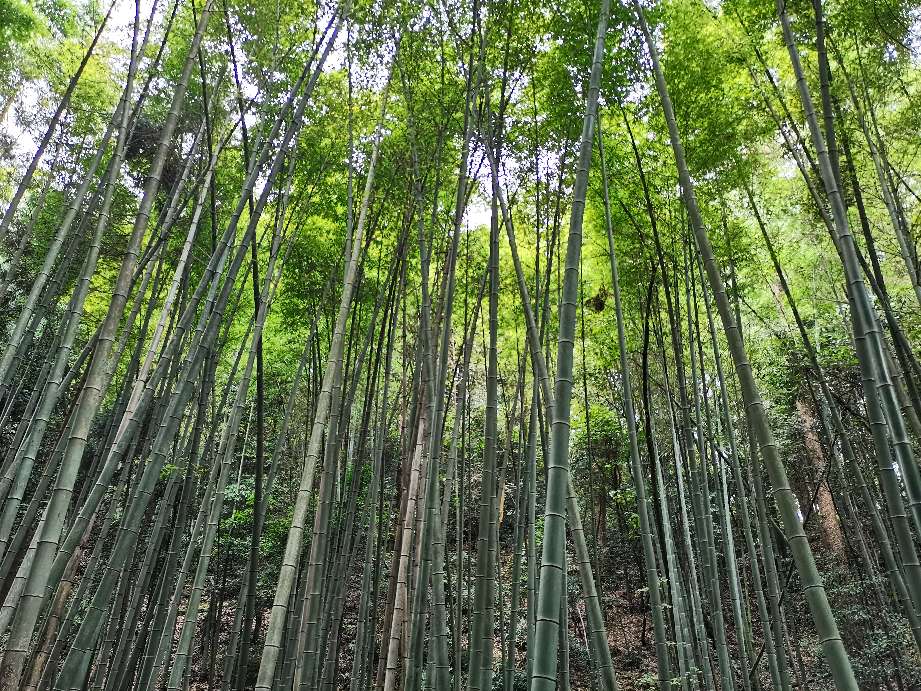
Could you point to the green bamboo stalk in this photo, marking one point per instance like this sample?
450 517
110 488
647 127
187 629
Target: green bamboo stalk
639 481
823 618
553 557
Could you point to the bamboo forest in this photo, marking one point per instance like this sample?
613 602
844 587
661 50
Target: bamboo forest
460 345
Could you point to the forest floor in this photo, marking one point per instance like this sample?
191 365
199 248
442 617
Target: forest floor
629 635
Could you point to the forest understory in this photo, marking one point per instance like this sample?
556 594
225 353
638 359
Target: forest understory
460 345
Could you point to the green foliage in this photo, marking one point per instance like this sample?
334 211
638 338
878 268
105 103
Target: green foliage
536 61
878 639
17 22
